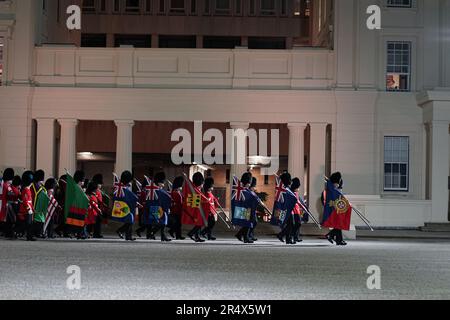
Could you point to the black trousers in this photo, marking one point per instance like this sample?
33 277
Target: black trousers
252 229
127 230
296 228
195 232
38 228
98 226
244 232
336 234
209 228
288 228
49 232
30 227
175 226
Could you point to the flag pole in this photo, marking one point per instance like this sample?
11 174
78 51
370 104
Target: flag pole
361 216
191 187
300 202
226 217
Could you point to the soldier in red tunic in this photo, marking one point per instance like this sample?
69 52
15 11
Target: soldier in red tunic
13 207
98 179
177 208
5 188
94 209
26 210
194 217
209 208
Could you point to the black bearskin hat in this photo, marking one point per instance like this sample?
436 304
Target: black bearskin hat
39 176
160 177
177 183
254 182
295 184
50 183
8 174
16 181
209 183
126 177
246 178
98 179
336 178
79 176
91 187
27 178
286 179
198 179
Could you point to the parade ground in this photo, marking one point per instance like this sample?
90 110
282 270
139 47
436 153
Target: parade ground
225 269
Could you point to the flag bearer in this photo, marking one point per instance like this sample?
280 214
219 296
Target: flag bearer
40 211
38 183
176 210
102 204
5 188
53 207
252 189
94 209
124 207
26 210
193 213
297 212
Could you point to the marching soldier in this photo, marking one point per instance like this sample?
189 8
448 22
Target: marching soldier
38 183
26 209
209 208
94 208
5 188
102 205
124 196
50 186
176 210
195 216
40 210
60 195
254 220
297 212
334 184
157 207
13 207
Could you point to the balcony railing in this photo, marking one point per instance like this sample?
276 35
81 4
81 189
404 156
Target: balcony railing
184 68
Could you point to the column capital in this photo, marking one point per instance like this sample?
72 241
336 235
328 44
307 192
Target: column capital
45 120
124 123
239 125
318 124
297 125
73 122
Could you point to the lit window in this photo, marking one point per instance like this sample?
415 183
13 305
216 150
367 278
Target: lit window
399 3
398 68
396 163
177 6
267 7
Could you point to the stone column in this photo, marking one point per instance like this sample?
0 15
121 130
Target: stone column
297 152
439 170
239 154
317 167
124 149
45 146
68 146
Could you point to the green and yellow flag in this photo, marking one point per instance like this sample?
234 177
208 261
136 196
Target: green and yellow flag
41 205
76 204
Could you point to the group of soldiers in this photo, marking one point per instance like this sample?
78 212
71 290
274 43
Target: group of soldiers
33 207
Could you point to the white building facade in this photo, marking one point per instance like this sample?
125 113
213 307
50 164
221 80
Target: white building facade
384 94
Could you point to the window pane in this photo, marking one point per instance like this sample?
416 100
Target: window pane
396 163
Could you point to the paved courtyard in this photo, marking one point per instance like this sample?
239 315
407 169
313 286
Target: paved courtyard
225 269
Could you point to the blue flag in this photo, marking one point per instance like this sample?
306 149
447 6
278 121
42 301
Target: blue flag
157 204
124 206
243 204
285 201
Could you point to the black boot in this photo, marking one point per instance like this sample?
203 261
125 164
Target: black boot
163 235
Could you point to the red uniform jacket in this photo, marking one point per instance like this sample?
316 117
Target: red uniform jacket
26 205
297 210
4 189
209 207
177 203
194 217
93 210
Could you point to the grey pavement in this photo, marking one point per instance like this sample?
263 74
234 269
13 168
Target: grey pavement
225 269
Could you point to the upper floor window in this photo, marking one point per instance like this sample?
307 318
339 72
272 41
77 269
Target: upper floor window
398 67
268 8
88 6
1 59
177 6
223 7
132 6
399 3
396 163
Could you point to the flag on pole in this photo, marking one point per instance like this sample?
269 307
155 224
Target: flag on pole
124 204
243 204
337 211
279 206
41 205
52 206
192 205
76 204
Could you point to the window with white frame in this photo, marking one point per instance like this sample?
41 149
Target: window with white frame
398 66
399 3
2 46
396 163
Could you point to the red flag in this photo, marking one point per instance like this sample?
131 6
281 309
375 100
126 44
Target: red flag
337 210
192 202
